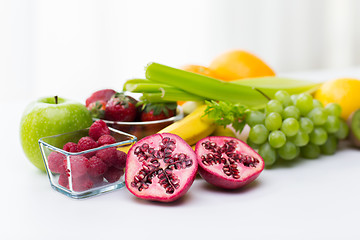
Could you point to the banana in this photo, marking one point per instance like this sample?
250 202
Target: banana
193 127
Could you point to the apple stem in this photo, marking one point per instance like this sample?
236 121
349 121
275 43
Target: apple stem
56 99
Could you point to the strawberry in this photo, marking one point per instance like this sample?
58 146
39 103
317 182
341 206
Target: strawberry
97 109
121 108
101 95
158 111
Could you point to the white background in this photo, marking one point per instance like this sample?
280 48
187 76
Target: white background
71 48
46 46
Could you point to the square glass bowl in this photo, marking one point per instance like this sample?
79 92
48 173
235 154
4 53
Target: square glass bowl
79 182
143 129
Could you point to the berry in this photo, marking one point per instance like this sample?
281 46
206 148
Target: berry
82 183
70 147
86 143
56 162
97 129
101 95
121 160
106 139
96 167
113 174
121 108
64 180
108 155
97 180
97 109
158 111
79 165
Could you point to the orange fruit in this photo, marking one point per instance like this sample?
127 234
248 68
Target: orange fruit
238 64
199 70
344 91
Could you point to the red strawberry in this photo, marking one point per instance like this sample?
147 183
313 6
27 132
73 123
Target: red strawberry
101 95
158 111
121 108
97 109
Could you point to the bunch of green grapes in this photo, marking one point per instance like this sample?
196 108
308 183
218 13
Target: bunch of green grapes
295 125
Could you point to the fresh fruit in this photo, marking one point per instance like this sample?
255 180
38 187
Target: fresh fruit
193 127
46 117
199 70
354 126
97 129
89 169
303 128
97 109
344 91
160 167
121 108
103 95
158 111
227 162
238 64
106 139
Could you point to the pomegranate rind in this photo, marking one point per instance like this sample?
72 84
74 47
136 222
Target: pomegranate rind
156 192
214 174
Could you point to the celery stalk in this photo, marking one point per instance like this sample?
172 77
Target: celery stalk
203 86
169 95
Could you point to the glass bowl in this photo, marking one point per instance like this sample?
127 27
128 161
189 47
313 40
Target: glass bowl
67 172
143 129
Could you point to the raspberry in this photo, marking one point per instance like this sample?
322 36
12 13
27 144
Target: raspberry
56 162
97 180
113 174
86 143
82 183
70 147
121 160
106 139
108 155
64 180
97 129
79 165
96 167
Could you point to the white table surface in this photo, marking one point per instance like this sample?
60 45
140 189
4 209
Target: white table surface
308 199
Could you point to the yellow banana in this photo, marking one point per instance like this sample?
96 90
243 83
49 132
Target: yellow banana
193 127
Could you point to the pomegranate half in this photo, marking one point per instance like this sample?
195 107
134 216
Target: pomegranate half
160 167
227 162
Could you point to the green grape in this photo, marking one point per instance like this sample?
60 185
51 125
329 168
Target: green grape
332 124
333 109
291 112
277 139
318 116
329 147
258 134
317 103
306 125
294 97
252 145
300 139
268 154
283 97
273 106
273 121
289 151
290 126
310 151
318 136
343 130
254 117
305 103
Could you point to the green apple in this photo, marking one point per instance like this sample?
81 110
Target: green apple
46 117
